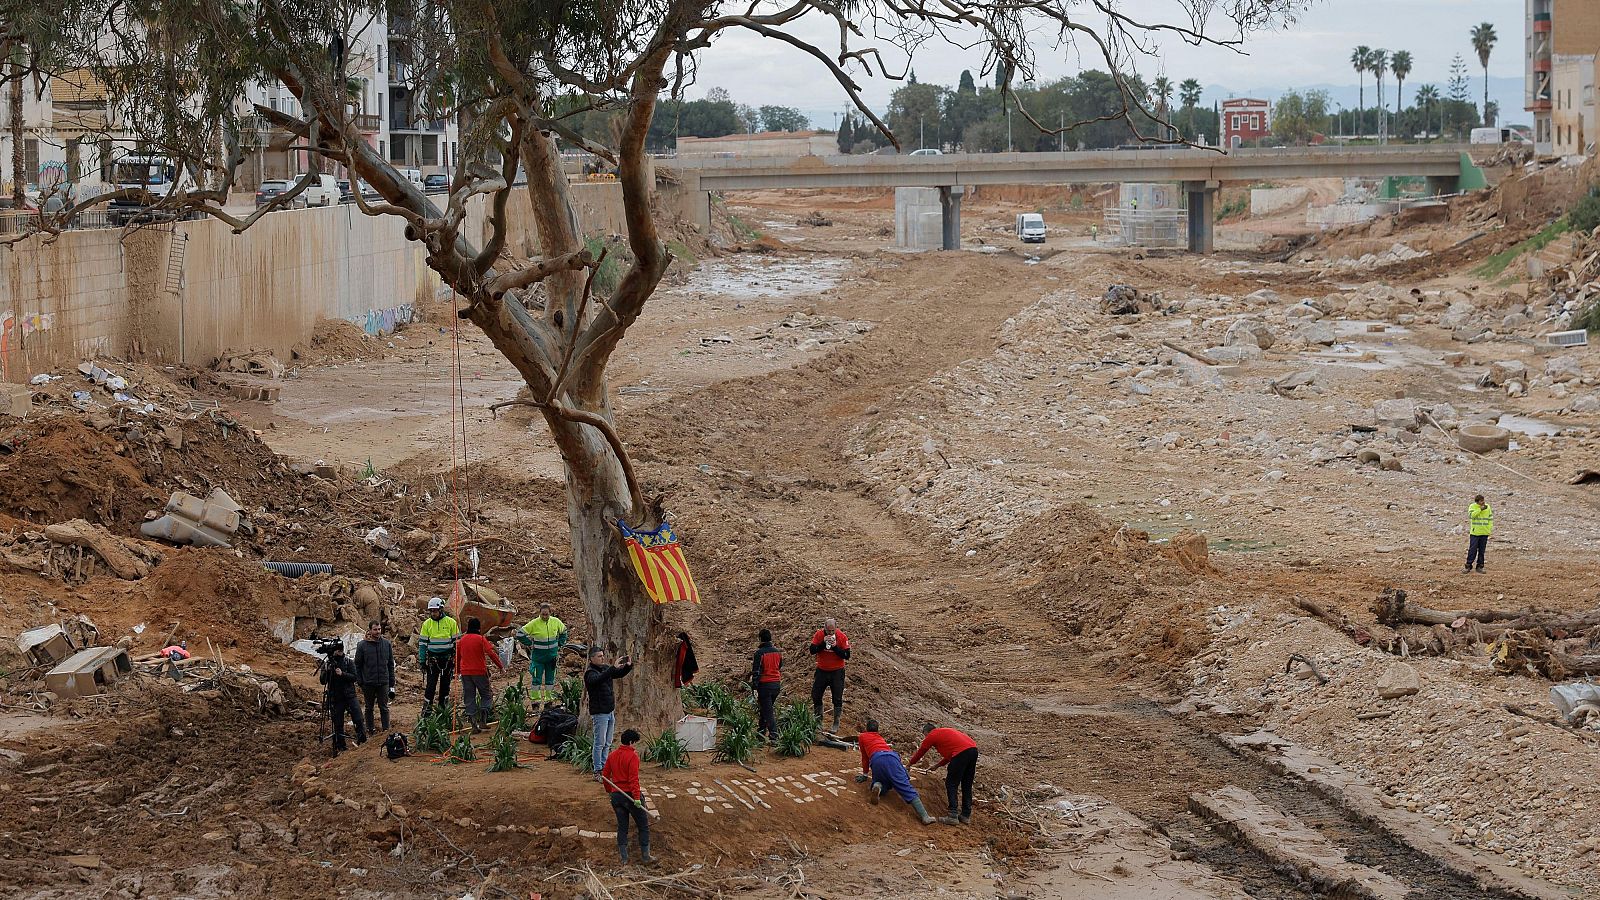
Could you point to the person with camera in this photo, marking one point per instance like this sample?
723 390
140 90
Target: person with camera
339 674
831 648
598 685
436 653
375 669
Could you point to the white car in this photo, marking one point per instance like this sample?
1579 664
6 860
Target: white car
927 151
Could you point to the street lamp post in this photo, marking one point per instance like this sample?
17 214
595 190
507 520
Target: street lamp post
920 142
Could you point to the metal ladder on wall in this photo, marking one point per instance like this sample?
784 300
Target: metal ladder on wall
175 252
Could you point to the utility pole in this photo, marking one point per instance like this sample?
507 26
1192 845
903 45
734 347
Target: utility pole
1010 148
920 142
1061 132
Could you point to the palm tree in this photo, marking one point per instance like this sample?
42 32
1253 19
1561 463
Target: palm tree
1483 38
1427 96
1400 64
1189 96
1360 59
1161 90
1378 63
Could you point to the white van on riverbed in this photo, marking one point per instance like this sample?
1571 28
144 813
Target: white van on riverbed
1030 228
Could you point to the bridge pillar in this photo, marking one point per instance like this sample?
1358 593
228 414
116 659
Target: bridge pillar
1202 215
950 215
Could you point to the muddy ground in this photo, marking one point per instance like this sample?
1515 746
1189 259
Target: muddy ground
993 484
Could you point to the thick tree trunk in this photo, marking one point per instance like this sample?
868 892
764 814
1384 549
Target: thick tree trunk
622 618
19 168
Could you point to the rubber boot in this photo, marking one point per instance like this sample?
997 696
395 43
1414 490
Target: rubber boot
645 859
921 811
874 792
622 851
949 820
835 729
966 819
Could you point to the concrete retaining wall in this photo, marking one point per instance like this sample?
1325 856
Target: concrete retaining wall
1266 201
98 292
1343 214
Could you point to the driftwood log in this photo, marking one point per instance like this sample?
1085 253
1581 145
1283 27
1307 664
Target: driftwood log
1394 609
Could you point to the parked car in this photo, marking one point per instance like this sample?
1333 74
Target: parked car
267 191
367 193
928 151
412 175
323 191
436 183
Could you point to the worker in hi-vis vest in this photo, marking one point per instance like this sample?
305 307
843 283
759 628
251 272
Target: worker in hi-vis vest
1480 524
543 637
436 653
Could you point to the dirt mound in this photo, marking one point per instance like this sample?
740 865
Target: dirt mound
335 340
63 469
1134 599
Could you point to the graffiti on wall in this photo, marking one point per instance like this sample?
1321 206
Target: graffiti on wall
13 329
384 321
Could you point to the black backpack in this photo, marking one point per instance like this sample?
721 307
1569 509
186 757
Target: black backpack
554 727
395 746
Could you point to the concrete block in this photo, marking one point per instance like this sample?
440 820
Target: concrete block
16 400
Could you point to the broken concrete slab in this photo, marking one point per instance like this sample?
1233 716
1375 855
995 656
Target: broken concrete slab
1317 333
15 400
1504 372
88 671
1286 841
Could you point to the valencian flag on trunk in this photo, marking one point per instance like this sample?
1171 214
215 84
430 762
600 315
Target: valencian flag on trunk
658 558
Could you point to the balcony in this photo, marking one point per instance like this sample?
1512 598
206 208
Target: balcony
366 122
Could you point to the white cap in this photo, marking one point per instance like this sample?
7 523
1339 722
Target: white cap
436 603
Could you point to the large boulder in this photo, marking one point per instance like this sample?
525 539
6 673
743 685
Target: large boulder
1317 333
1459 314
1398 680
1249 332
1506 371
1562 369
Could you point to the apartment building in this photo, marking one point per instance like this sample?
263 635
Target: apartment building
1563 46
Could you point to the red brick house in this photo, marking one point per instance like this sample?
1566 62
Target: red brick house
1244 119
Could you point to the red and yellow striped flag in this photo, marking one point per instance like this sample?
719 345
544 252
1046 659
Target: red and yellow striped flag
658 559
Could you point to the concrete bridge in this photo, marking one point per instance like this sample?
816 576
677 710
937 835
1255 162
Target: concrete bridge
1446 166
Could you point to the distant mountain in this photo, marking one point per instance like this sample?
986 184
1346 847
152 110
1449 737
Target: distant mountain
1507 92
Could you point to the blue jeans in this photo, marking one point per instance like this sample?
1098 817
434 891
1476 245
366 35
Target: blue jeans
1477 545
605 724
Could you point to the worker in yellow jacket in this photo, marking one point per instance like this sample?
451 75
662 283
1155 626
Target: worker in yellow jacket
436 653
543 637
1480 524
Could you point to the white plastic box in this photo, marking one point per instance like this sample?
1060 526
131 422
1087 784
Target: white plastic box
698 733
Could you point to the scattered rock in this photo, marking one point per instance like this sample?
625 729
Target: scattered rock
1398 680
1395 414
1505 372
1249 332
1563 369
1317 333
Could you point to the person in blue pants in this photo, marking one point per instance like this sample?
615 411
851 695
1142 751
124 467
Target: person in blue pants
882 766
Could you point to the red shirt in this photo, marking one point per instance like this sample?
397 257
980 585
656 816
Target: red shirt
948 741
473 652
622 767
870 742
827 660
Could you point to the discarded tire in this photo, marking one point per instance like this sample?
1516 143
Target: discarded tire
1483 438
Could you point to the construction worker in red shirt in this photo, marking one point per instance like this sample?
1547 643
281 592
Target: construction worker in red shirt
959 754
473 652
766 676
831 648
882 767
621 779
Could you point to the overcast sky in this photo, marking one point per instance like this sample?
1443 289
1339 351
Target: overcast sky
1315 50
